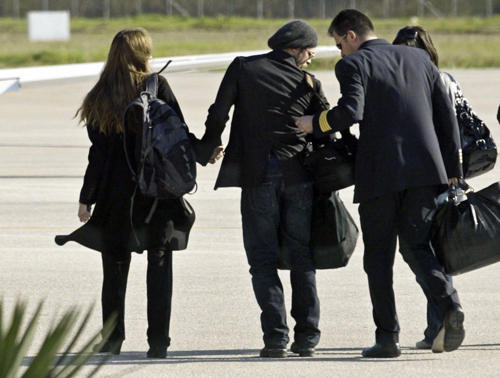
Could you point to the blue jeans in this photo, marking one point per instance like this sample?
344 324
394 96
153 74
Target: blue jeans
275 216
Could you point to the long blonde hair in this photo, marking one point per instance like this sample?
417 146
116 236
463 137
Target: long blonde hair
126 68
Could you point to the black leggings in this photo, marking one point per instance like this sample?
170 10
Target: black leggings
159 292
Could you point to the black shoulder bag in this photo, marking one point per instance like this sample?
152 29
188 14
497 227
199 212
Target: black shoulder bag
479 150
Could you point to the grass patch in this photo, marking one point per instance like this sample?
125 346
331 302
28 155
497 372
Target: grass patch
461 42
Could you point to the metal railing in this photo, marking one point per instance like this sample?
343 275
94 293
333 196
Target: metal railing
259 9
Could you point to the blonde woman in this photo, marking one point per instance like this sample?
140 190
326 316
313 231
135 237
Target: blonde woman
108 184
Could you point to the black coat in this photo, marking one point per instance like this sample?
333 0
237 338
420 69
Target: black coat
408 129
269 92
108 184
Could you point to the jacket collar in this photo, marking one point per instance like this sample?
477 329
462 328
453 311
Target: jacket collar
282 55
373 42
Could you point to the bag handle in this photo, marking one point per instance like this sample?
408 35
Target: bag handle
458 193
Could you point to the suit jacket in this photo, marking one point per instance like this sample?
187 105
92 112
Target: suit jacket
269 92
408 130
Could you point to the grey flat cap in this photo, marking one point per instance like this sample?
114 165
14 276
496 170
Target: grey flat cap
294 35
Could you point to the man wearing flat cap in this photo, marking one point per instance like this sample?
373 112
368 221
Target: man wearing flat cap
269 92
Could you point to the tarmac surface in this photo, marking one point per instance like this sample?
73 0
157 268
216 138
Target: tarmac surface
215 327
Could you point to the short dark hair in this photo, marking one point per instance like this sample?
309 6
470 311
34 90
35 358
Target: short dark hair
351 19
417 36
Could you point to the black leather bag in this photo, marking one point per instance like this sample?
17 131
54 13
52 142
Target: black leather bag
333 232
466 233
332 164
479 150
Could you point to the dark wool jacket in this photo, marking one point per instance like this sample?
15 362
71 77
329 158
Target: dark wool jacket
269 92
108 184
408 129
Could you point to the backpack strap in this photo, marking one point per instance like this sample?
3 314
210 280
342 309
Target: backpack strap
165 66
141 101
152 85
152 81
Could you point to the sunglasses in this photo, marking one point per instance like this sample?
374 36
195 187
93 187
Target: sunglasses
311 53
407 33
339 45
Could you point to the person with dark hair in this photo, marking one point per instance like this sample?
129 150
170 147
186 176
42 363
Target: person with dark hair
417 36
263 157
109 185
407 155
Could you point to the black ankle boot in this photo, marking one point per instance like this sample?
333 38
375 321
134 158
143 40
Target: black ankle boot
110 346
157 351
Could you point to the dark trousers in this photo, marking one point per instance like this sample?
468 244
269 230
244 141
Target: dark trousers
159 293
408 215
434 318
275 215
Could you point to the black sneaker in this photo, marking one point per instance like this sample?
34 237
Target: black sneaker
423 344
454 332
391 350
302 351
273 353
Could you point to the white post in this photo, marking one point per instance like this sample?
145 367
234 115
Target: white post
231 8
15 9
489 8
74 8
260 9
106 9
45 5
138 7
352 4
200 8
291 9
454 8
386 9
322 9
420 8
169 7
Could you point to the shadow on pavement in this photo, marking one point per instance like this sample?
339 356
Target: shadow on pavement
252 355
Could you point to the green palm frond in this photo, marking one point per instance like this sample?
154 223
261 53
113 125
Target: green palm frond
49 361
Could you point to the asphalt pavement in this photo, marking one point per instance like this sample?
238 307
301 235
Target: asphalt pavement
215 327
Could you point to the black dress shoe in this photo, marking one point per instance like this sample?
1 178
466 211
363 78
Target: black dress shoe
302 351
157 351
273 353
383 351
454 332
110 346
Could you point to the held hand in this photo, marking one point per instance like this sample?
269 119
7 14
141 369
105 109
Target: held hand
305 124
218 153
83 213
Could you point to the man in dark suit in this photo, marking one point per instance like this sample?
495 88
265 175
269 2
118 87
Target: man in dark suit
408 151
269 92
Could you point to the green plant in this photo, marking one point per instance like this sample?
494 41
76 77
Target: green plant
16 338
